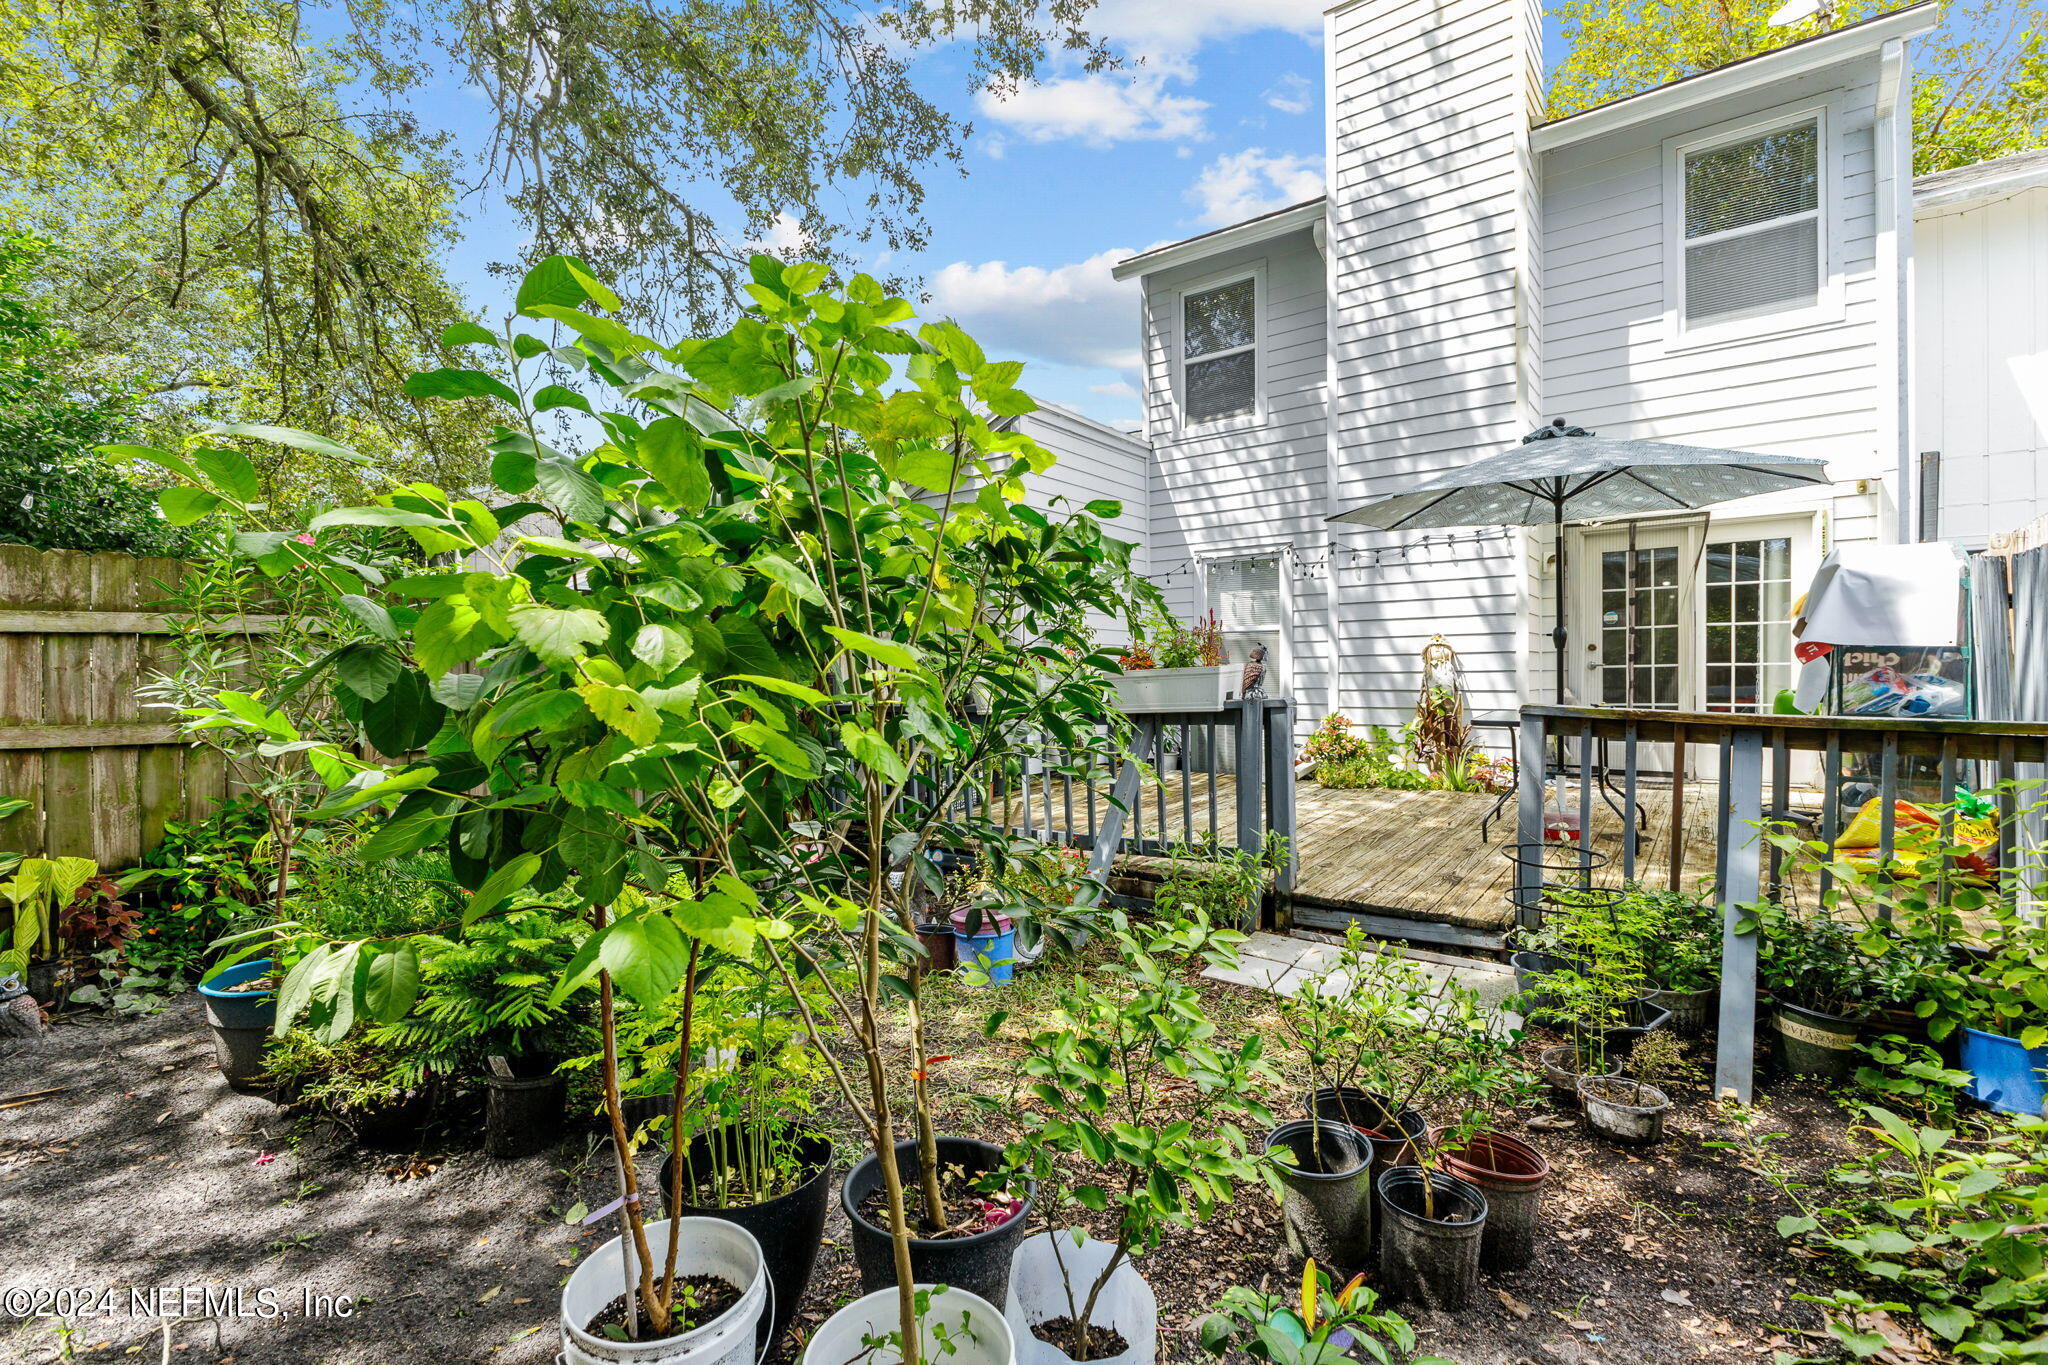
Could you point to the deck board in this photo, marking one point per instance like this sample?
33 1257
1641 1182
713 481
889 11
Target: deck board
1417 855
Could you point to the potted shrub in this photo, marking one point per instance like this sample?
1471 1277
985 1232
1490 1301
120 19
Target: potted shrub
1099 1074
945 1324
1824 987
751 682
241 1009
1319 1326
1629 1108
1430 1227
39 890
1171 667
721 1293
1681 954
1596 1008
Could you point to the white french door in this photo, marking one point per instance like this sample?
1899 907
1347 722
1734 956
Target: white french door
1694 616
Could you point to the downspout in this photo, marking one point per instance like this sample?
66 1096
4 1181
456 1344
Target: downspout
1333 483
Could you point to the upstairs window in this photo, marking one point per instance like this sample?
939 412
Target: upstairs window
1220 352
1752 244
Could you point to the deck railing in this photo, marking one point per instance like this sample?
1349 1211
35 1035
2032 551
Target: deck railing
1230 778
1756 761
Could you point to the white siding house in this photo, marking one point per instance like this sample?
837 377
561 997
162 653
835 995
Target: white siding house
1981 359
1725 261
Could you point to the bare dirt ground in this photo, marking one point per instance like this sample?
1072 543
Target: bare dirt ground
147 1174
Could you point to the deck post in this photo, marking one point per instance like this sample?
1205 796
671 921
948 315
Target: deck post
1251 794
1529 820
1742 799
1110 835
1279 722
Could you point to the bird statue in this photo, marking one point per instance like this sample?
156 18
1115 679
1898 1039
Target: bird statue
19 1013
1253 684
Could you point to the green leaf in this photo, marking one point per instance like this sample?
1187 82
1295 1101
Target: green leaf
367 670
1107 509
177 464
374 618
392 983
671 452
881 651
1947 1320
623 710
231 473
937 470
457 691
535 711
466 334
450 632
500 886
872 750
406 834
183 504
556 634
599 331
556 396
447 383
289 436
661 648
793 579
781 753
783 686
570 489
563 282
375 516
646 956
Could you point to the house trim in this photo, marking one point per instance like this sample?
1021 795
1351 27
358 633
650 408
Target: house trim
1967 185
1751 73
1250 232
1828 304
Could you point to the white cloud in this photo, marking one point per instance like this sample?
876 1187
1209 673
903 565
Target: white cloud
1120 389
1291 94
1098 109
1067 315
1246 184
1157 29
785 237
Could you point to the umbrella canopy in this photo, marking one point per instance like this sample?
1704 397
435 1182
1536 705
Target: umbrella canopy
1561 473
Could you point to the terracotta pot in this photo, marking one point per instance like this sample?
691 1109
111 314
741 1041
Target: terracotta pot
1511 1174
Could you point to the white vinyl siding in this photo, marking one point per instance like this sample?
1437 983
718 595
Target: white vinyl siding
1239 488
1431 265
1981 314
1250 600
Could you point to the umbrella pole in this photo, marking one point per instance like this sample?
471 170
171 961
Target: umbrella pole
1557 632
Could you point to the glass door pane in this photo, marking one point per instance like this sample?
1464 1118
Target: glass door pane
1639 628
1749 623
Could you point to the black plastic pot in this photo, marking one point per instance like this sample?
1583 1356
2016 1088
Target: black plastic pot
1397 1139
1692 1012
1539 1006
1810 1043
1328 1203
522 1115
789 1227
980 1264
1511 1174
1433 1260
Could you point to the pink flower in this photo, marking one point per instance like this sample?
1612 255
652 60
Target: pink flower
265 1159
304 537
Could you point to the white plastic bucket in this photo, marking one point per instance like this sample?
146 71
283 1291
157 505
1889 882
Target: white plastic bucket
710 1246
839 1340
1038 1293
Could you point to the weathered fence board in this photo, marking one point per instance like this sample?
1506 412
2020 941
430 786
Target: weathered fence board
78 634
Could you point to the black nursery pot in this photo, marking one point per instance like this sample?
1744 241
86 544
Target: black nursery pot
1425 1259
789 1227
1397 1139
979 1264
522 1114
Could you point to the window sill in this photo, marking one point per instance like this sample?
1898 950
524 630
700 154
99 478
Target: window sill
1222 426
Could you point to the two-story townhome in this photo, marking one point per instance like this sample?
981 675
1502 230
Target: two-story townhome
1725 261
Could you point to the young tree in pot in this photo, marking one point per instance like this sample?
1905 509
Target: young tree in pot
1824 985
1100 1073
1322 1325
1350 1025
1631 1108
1593 1007
750 634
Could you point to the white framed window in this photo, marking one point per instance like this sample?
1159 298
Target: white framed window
1249 597
1748 208
1220 375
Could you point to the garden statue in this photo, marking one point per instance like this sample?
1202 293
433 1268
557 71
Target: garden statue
1254 682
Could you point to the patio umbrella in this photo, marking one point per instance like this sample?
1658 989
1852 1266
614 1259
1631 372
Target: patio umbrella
1563 473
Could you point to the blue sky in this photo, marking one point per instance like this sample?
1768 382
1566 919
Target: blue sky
1216 115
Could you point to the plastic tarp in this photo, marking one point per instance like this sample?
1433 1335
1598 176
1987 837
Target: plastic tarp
1886 595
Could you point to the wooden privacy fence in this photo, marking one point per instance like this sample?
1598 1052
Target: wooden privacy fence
1757 758
78 634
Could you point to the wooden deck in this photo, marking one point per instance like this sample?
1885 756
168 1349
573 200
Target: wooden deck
1410 863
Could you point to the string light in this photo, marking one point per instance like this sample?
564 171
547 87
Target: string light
1350 560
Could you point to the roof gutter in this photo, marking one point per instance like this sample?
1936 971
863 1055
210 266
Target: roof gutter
1209 244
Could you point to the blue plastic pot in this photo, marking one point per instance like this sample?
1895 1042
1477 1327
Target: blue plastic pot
991 949
241 1020
2005 1075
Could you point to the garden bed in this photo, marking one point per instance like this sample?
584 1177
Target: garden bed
148 1172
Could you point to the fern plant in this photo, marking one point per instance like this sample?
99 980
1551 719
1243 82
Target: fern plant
486 995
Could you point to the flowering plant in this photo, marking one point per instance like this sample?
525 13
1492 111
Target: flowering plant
1333 742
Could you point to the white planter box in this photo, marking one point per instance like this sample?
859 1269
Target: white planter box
838 1340
1153 690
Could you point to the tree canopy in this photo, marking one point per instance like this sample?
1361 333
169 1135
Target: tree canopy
1981 79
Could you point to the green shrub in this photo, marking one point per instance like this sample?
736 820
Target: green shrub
346 1080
